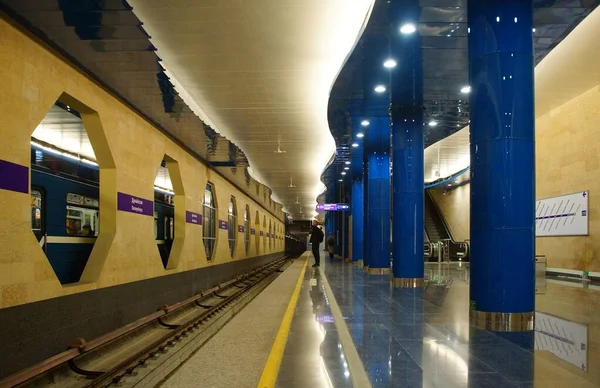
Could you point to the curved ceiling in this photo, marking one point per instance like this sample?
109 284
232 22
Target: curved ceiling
443 29
260 72
561 76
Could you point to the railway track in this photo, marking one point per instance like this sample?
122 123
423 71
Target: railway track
144 353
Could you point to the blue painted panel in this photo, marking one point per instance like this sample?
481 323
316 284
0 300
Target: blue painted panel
68 260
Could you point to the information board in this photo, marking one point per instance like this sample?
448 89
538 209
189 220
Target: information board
332 206
565 339
566 215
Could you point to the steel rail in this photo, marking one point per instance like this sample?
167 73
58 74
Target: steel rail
78 347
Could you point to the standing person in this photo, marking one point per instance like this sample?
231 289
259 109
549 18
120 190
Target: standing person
316 237
330 245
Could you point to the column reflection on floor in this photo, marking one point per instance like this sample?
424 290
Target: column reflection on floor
422 338
313 355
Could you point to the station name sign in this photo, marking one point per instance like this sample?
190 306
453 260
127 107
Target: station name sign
328 207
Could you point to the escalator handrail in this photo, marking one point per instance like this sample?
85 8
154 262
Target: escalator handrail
441 217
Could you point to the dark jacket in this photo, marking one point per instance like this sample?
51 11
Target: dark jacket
316 235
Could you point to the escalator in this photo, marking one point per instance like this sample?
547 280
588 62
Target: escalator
435 227
438 236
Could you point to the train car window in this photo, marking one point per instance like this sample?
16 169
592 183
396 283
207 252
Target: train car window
257 232
155 225
169 228
209 230
264 234
247 228
36 211
232 225
82 216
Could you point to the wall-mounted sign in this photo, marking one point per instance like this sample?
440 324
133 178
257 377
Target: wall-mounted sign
193 218
565 339
223 224
252 231
262 233
131 204
241 228
328 207
14 177
566 215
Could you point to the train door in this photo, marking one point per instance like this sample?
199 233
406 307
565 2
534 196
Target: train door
38 221
169 228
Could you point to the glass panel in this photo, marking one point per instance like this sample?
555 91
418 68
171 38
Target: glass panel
155 225
209 222
82 222
247 229
36 211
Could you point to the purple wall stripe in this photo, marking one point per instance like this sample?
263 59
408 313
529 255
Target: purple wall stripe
14 177
193 218
131 204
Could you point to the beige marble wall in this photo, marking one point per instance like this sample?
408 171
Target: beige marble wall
567 146
32 79
567 161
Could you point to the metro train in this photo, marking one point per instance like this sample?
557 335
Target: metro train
65 216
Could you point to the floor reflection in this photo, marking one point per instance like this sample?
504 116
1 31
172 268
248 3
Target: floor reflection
313 355
422 338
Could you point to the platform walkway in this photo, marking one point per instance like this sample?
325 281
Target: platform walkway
236 355
422 338
336 326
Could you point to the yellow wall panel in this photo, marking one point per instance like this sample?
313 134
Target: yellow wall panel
33 78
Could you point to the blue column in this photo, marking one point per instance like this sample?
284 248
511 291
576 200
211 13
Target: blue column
408 150
501 61
365 210
375 80
358 203
377 145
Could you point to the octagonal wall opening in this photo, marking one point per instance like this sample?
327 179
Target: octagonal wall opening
169 212
72 176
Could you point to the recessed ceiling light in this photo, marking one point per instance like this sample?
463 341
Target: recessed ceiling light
354 145
390 63
408 28
343 172
347 163
364 123
380 88
432 123
340 180
346 168
360 135
465 89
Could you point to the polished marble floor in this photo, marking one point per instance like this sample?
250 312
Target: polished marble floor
422 338
313 355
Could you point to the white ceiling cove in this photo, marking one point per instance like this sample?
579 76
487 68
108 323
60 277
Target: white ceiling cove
260 73
561 76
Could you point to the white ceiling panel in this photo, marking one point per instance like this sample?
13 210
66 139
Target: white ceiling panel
260 73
